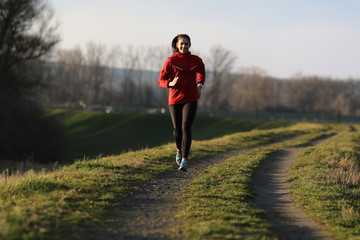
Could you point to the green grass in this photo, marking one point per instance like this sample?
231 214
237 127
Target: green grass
93 133
218 203
58 204
326 181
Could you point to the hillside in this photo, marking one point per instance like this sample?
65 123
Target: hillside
93 133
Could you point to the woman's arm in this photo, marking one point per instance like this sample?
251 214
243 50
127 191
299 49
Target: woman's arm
201 73
164 75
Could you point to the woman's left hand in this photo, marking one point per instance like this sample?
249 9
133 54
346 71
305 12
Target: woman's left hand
199 90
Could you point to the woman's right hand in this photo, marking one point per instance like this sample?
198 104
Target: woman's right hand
173 82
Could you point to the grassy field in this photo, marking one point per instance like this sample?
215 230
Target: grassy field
69 199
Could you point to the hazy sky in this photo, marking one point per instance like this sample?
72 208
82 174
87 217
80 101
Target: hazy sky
283 37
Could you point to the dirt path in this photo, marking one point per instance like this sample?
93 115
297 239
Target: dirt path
272 195
149 212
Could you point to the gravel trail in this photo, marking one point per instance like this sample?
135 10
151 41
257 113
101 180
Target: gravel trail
273 195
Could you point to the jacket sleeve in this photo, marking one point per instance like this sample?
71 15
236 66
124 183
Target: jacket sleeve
201 73
165 75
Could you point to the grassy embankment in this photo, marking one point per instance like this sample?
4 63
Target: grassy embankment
326 181
93 134
49 205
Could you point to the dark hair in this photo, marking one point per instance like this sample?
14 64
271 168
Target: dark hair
176 39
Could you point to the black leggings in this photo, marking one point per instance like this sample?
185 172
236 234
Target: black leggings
182 116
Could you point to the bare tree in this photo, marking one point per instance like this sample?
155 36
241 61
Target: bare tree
27 33
69 87
84 77
130 62
218 65
109 92
300 95
27 36
95 63
254 91
155 58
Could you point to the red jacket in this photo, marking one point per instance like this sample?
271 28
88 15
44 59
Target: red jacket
190 69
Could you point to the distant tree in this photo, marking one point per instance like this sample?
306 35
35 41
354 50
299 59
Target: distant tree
96 61
219 79
27 33
254 91
155 58
302 94
130 62
67 78
109 93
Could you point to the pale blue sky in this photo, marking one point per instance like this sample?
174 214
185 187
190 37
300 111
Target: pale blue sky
315 37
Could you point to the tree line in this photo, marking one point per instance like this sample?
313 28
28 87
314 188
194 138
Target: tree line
127 78
256 92
98 76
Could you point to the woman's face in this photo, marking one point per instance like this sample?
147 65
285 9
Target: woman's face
183 45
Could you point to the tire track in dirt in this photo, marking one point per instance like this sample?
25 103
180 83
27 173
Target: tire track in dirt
273 195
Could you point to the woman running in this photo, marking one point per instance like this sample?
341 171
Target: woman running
184 74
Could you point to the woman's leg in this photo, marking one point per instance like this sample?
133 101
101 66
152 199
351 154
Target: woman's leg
188 115
176 117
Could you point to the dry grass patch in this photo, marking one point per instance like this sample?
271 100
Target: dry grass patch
345 170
